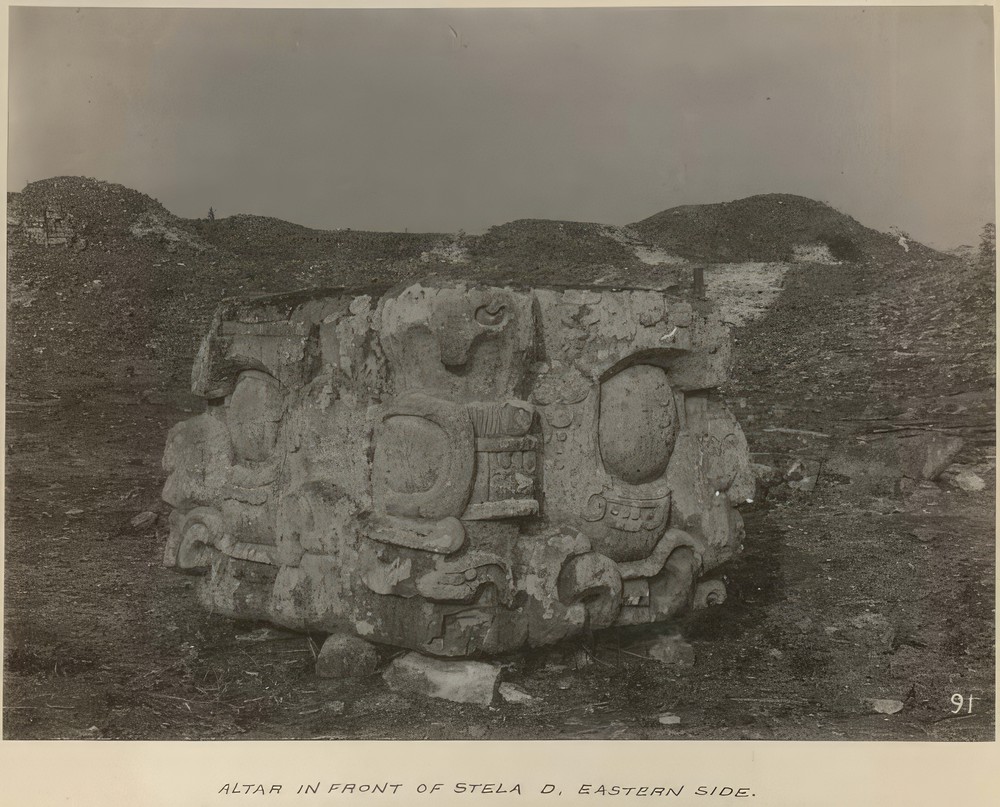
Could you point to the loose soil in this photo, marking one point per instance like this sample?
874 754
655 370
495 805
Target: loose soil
851 592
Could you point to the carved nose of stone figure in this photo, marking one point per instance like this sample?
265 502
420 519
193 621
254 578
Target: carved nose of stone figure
594 580
462 328
455 348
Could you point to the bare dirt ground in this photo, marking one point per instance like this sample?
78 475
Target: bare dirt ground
862 588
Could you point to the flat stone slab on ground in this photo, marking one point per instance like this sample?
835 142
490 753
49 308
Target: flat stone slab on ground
458 681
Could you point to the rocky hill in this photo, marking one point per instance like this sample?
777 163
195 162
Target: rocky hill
769 227
106 285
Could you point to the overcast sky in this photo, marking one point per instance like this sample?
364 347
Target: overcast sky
440 120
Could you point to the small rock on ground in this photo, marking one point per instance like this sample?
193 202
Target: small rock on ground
266 634
668 719
767 474
805 624
877 630
672 650
969 481
344 656
458 681
802 475
143 520
886 706
514 694
926 534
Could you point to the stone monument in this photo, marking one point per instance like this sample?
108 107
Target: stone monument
456 468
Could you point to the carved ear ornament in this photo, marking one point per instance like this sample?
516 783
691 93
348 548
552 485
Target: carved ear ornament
492 314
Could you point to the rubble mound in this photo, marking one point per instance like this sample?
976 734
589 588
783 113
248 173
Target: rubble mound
550 246
263 237
121 288
768 227
96 209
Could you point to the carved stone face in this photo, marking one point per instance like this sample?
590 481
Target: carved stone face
456 468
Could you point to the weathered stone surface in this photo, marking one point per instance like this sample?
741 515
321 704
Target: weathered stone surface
345 656
459 681
455 468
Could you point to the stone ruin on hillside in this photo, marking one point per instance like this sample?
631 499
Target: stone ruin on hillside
50 228
459 469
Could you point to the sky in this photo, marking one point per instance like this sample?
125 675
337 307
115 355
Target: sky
441 120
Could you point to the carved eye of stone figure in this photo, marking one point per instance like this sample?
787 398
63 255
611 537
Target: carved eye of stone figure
253 414
637 427
492 314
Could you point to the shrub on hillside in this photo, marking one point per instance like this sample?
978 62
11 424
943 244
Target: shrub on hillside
988 246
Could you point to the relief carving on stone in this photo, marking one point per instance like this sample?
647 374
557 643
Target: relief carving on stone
458 469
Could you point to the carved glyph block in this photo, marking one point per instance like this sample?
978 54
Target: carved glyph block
456 468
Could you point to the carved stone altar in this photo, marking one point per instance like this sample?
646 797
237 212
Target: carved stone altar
459 469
